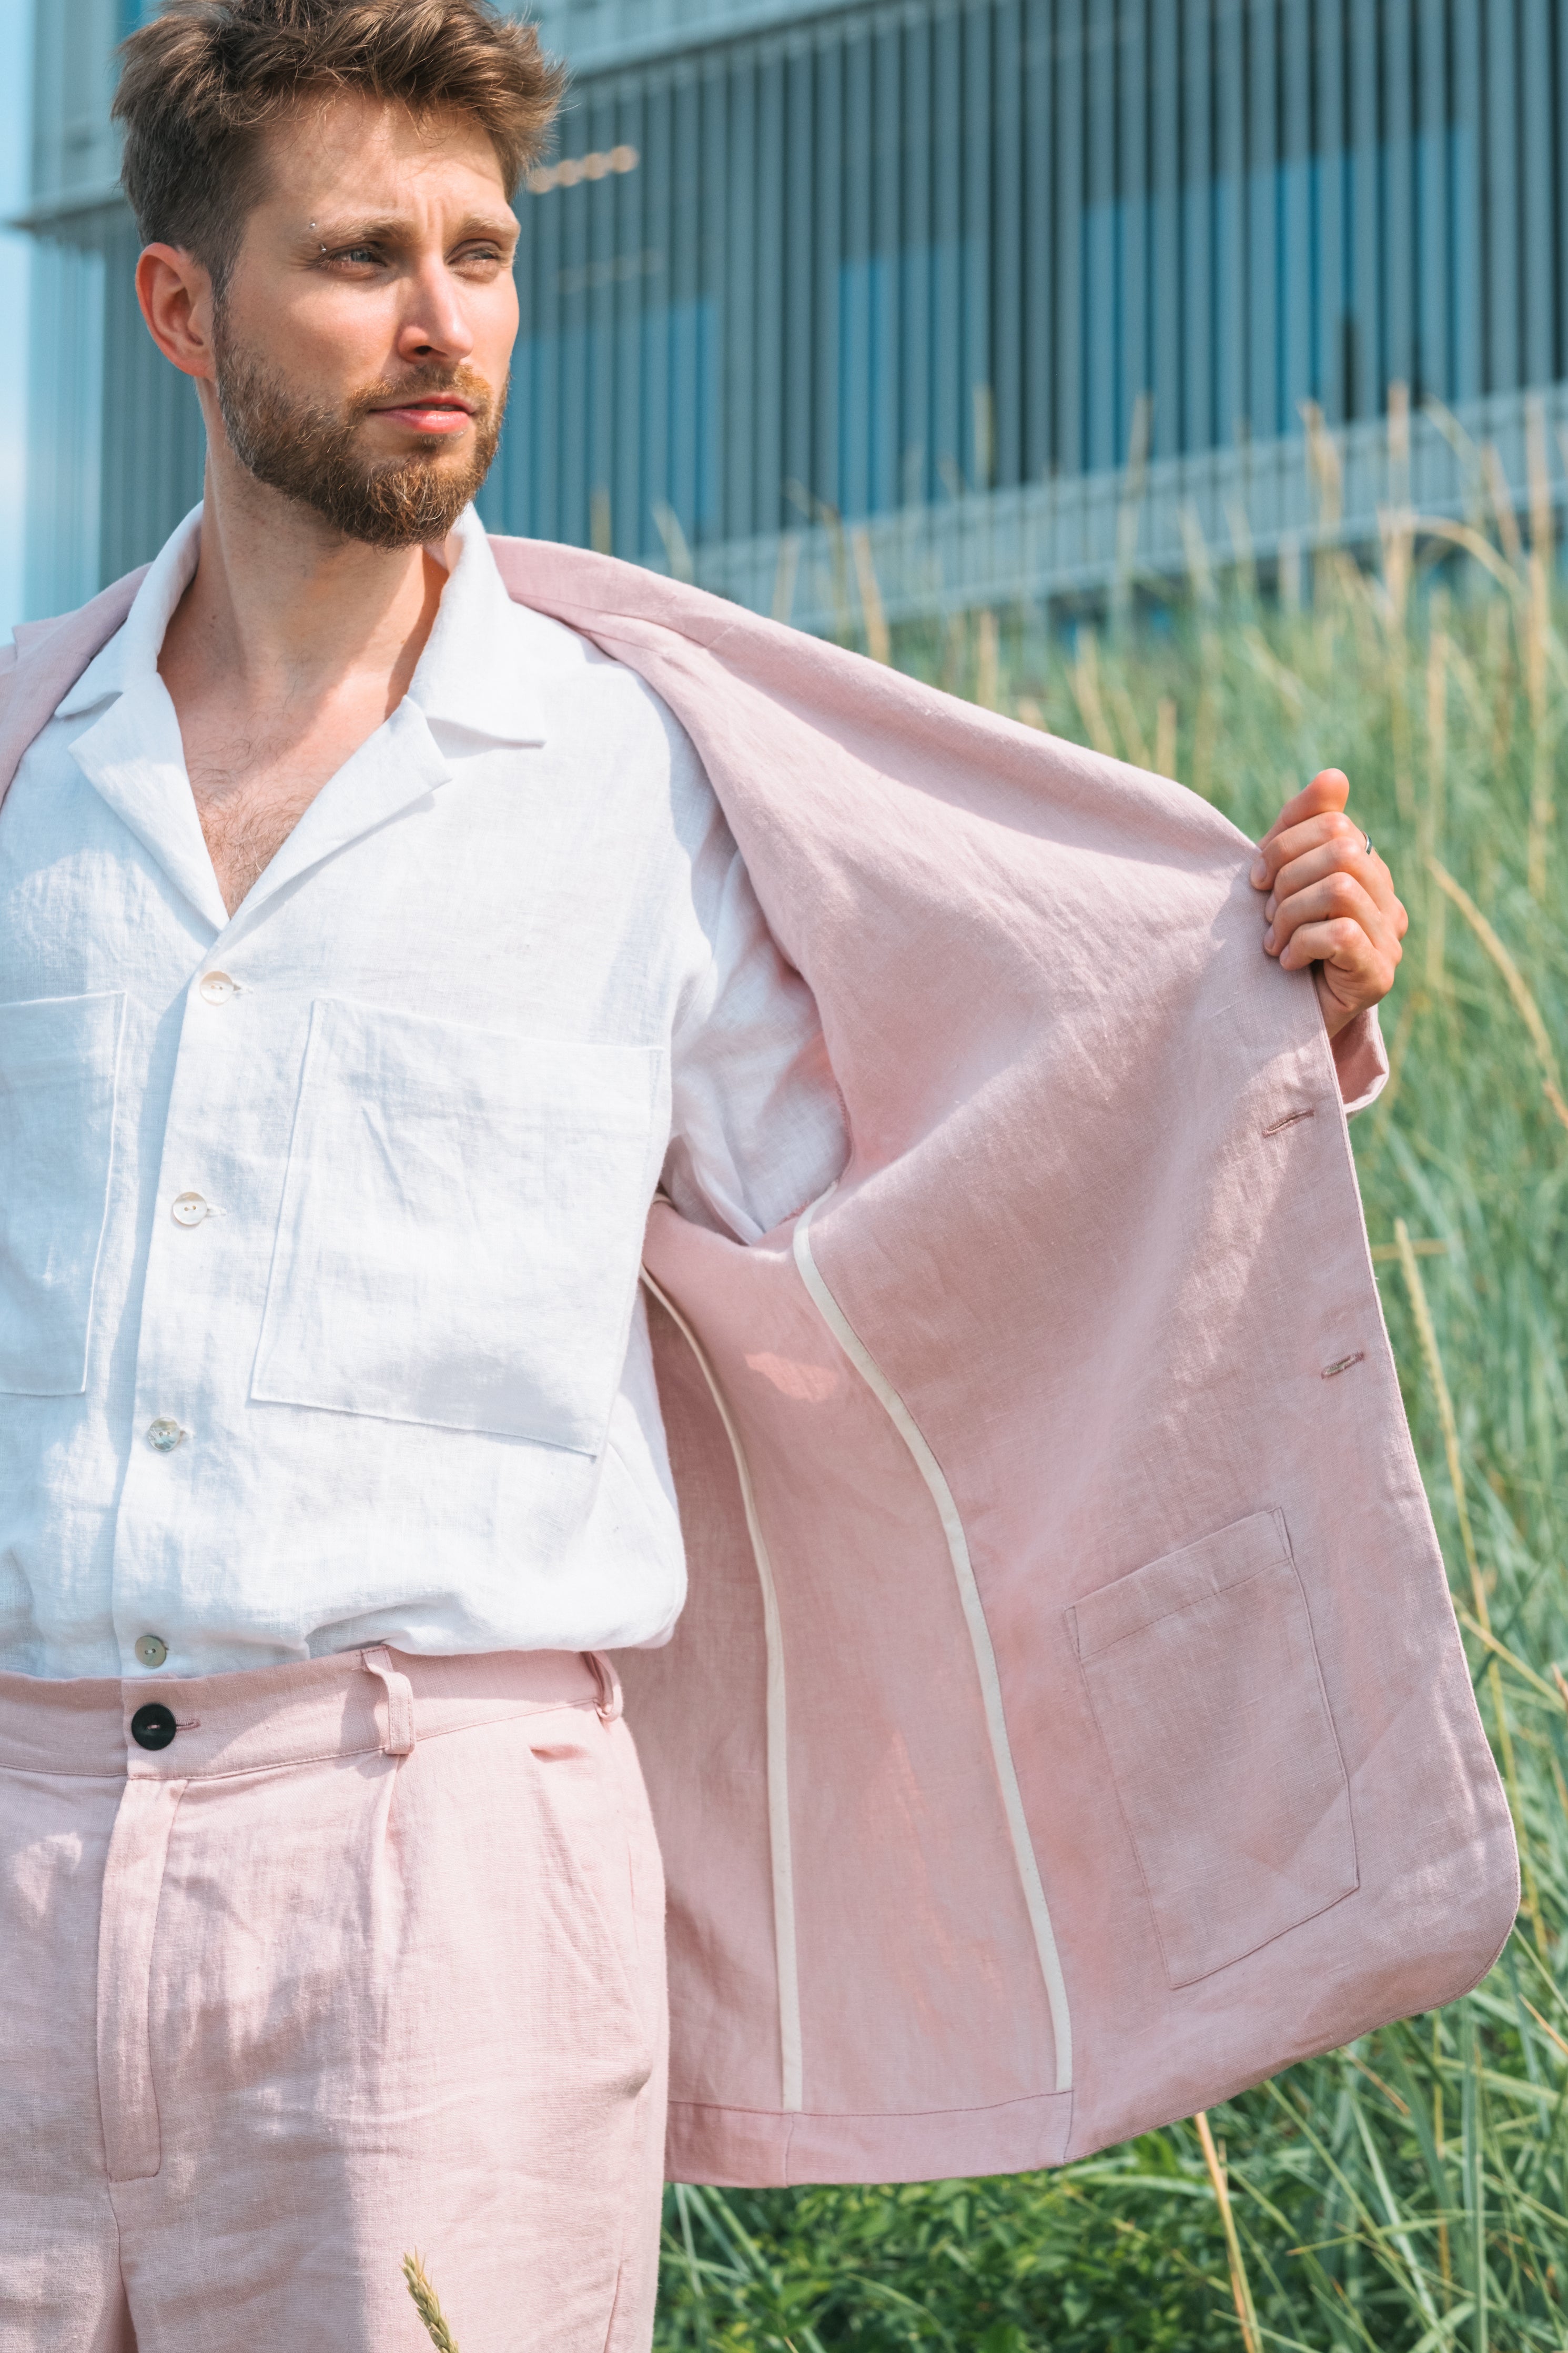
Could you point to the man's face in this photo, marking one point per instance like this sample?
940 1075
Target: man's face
363 340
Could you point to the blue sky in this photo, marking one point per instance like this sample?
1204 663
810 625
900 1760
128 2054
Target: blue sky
16 81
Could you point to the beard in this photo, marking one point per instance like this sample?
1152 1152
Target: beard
308 450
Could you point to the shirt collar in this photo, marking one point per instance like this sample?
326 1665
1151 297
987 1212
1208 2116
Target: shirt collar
468 679
131 654
471 677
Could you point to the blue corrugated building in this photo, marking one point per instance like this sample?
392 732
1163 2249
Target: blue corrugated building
825 301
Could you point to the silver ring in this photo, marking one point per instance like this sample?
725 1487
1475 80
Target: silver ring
1367 838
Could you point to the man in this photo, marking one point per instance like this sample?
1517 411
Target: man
372 946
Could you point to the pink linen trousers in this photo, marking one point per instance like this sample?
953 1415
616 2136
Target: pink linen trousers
369 1960
1068 1724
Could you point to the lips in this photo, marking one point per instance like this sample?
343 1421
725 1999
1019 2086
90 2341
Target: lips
434 414
414 406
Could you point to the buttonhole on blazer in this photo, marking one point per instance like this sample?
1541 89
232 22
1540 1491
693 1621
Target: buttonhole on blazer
188 1723
554 1752
1343 1364
1290 1119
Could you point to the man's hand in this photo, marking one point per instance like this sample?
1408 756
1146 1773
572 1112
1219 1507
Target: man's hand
1330 901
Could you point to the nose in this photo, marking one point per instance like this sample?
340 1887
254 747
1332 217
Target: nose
435 325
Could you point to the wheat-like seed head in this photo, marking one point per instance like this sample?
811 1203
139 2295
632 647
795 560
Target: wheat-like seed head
428 2306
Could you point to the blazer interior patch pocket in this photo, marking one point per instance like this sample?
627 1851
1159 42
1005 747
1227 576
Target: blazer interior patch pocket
1203 1677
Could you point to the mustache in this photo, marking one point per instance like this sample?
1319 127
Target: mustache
424 381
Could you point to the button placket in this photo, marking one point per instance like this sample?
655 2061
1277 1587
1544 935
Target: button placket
188 1208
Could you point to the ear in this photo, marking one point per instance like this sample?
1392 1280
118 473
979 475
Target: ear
175 292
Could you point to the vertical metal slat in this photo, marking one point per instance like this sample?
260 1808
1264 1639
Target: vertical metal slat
1069 301
1501 285
1102 290
1005 206
1297 381
1467 112
1167 305
1197 204
1538 340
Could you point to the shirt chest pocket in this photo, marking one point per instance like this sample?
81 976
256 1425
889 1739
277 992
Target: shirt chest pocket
461 1227
58 1062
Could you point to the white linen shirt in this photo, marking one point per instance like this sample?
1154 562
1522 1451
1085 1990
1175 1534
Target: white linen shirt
319 1224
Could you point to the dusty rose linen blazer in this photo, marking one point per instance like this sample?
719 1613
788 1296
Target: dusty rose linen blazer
1068 1724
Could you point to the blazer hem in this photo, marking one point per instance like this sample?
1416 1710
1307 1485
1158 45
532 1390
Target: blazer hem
751 2148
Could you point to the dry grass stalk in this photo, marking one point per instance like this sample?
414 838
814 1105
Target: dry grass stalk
1131 733
1428 1330
1404 1035
1397 522
677 548
1501 1649
878 643
1537 621
1195 547
987 660
1239 524
1503 514
428 2306
1324 463
1165 736
1430 836
1529 1012
1505 686
1240 2287
1086 694
1129 509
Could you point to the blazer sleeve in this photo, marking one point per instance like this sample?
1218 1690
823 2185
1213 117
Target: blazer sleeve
1361 1060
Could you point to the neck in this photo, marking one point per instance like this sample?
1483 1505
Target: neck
284 608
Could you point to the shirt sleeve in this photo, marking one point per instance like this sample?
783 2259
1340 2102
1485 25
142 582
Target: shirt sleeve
758 1126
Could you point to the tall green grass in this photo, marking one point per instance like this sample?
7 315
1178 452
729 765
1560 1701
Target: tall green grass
1409 2192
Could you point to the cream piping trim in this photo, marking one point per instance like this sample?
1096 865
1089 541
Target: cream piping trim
791 2069
904 1422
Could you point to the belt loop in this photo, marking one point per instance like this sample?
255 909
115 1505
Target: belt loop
609 1684
399 1740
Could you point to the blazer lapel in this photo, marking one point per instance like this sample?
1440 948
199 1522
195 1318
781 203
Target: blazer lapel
50 658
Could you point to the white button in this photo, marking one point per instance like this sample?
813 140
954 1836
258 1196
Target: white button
217 987
164 1436
152 1650
189 1208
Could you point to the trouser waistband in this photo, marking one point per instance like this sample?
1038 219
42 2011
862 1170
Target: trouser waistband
357 1703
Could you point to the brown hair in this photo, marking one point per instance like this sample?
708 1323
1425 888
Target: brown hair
205 78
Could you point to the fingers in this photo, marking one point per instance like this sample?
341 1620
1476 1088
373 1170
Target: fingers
1293 855
1311 860
1334 898
1334 927
1284 842
1330 789
1349 971
1331 900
